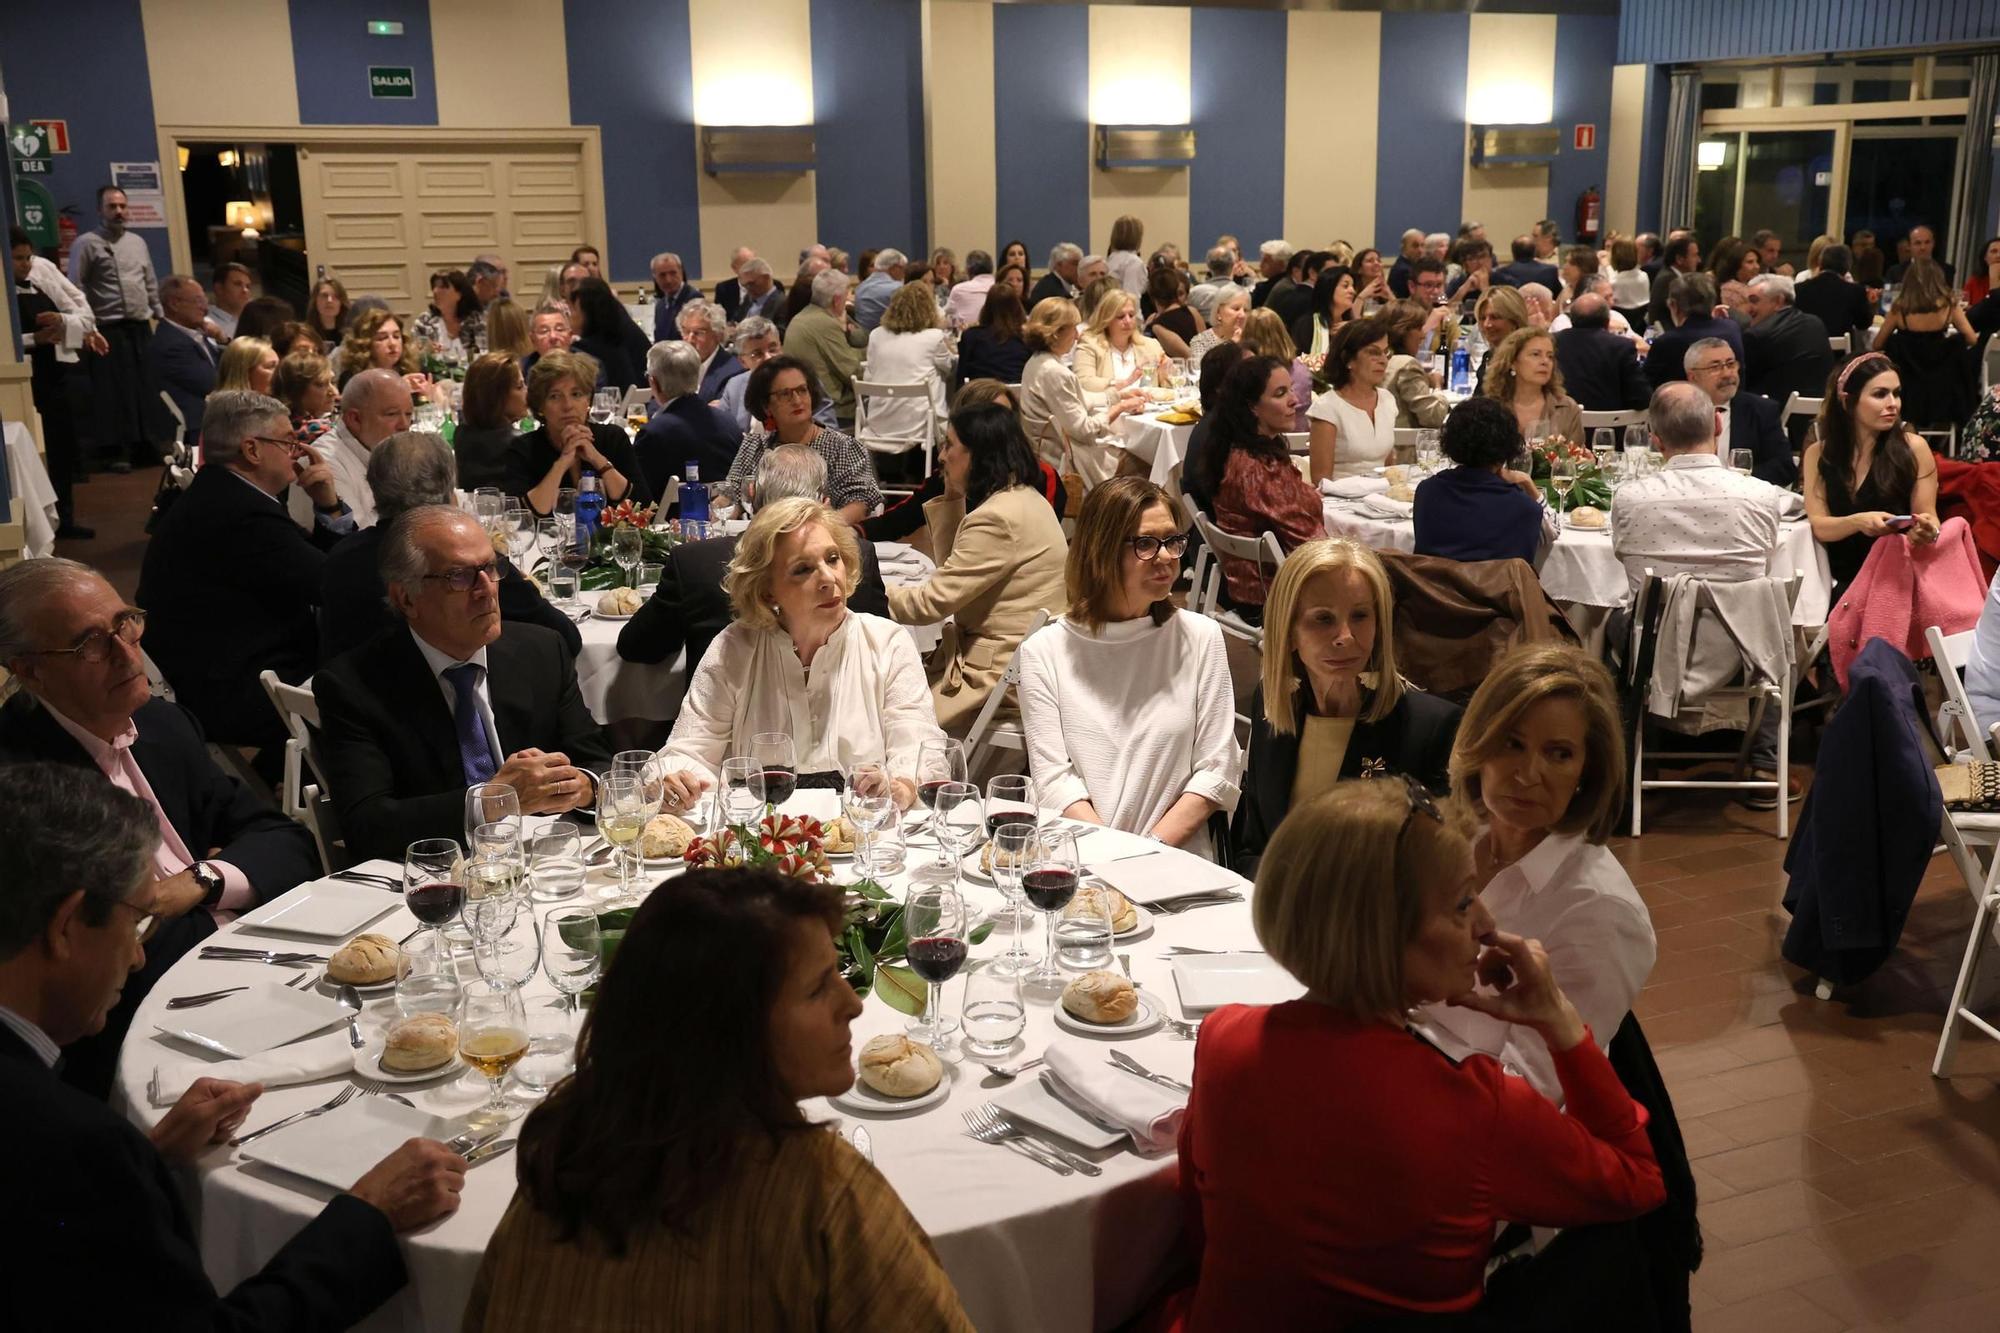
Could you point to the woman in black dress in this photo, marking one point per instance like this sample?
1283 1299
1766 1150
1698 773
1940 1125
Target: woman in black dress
555 454
992 349
1866 470
605 332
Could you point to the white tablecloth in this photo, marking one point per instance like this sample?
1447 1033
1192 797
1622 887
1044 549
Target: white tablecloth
615 690
32 487
1581 570
1027 1249
1157 443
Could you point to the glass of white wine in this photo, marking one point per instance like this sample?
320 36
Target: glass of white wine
1604 448
621 817
1742 461
1562 479
492 1036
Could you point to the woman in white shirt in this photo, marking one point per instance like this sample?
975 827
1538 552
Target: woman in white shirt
1540 757
1113 354
847 686
1126 702
1122 260
909 346
1054 412
1353 424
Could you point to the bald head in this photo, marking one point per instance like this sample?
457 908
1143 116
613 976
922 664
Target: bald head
1590 311
1682 419
375 405
183 301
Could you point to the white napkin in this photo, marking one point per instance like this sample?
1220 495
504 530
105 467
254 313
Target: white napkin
1792 505
1384 507
1353 488
1147 1111
1163 875
895 555
301 1062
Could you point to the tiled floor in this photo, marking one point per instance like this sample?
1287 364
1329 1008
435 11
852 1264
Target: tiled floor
1842 1187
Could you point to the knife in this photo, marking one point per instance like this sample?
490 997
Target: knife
472 1140
482 1153
863 1144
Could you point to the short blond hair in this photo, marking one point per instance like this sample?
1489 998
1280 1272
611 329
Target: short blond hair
1346 884
579 368
1094 571
1505 302
1327 555
748 581
911 310
1519 681
1051 315
1108 309
238 359
1264 333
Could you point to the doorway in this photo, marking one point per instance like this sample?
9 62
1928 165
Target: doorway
240 204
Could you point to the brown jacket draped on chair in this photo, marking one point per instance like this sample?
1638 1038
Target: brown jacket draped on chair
1454 618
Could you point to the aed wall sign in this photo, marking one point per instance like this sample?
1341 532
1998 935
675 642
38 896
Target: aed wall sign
394 81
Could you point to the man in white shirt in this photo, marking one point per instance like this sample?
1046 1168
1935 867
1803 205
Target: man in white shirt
968 298
230 292
374 406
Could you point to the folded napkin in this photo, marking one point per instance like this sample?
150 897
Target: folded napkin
1353 488
301 1062
1791 505
1384 507
895 555
1148 1112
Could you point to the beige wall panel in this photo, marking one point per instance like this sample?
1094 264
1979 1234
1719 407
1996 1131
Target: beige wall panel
554 176
752 62
1627 131
1139 75
360 178
454 179
457 234
221 62
1511 79
958 126
1330 179
471 39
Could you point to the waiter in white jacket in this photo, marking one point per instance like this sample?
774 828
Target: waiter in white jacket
56 321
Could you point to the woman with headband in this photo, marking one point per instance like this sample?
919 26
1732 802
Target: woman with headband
1866 474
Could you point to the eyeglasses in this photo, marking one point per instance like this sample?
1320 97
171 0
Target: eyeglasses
800 392
1421 802
128 627
463 578
142 928
277 442
1149 548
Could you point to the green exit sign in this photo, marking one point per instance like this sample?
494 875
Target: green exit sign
392 81
384 28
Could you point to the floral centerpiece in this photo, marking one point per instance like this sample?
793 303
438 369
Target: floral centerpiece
1591 488
1315 364
600 571
794 845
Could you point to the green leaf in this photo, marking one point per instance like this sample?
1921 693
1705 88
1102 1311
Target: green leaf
902 989
980 932
864 958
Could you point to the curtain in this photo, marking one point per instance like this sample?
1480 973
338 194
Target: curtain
1966 228
1677 165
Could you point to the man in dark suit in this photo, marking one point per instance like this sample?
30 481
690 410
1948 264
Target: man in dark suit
1682 255
417 714
1292 299
1526 268
1829 296
407 471
230 581
1690 318
760 294
1060 280
1600 369
729 291
1745 420
685 429
180 358
1784 349
690 607
72 644
89 1190
704 327
1923 245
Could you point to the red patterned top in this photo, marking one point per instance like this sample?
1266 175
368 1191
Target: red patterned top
1261 493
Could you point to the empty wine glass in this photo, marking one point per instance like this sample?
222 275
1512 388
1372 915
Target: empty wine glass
1637 437
1011 846
628 544
651 770
518 526
1604 448
777 774
868 802
1742 460
740 802
934 923
492 1036
491 803
1051 881
604 407
959 819
572 951
1427 451
431 888
511 955
938 762
548 538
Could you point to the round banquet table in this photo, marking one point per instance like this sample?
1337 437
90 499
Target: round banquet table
1027 1249
1159 444
615 690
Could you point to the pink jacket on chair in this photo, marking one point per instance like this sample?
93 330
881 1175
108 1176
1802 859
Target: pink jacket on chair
1904 587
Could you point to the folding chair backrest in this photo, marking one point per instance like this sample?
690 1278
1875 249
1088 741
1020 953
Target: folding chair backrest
636 396
982 722
1262 549
1957 725
1613 420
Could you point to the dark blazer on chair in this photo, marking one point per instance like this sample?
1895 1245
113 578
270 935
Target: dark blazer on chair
88 1192
1601 371
390 751
1048 285
1786 353
229 583
689 608
1415 738
728 295
723 369
1837 303
183 367
1754 425
687 430
1522 272
354 605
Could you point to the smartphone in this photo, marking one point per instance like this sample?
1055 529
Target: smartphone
1902 523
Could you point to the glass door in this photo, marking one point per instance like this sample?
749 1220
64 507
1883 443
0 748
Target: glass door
1788 187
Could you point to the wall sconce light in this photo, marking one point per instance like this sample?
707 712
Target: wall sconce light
1711 154
240 213
1144 147
765 149
1514 145
185 155
226 158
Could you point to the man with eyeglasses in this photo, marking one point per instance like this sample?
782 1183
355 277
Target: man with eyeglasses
230 582
446 700
105 1240
1743 420
72 643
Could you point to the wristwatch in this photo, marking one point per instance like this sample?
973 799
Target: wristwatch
210 880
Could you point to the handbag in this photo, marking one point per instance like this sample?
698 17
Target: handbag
1072 480
1973 786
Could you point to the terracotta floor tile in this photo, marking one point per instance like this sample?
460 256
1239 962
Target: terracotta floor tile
1775 1210
1760 1122
1695 1060
1888 1090
1892 1179
1697 1099
1785 1311
1703 1140
1907 1227
1793 1157
1684 964
1886 1290
1773 1078
1706 1022
1705 934
1736 1273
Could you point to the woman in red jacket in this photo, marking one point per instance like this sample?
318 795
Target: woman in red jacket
1339 1169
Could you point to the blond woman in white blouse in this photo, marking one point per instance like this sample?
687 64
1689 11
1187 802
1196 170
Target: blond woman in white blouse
1126 702
1113 354
1054 411
847 686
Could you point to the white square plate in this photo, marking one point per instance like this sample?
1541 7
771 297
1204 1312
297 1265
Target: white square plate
248 1022
339 1147
323 909
1163 876
1031 1103
1209 981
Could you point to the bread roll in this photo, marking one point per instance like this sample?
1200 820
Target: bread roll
895 1066
619 602
986 855
1403 491
1101 997
837 837
665 836
1586 516
365 960
1091 899
423 1041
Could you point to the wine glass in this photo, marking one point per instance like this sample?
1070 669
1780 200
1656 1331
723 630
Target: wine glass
548 538
869 803
646 763
1053 875
572 951
518 527
488 504
492 1036
1604 448
491 803
627 545
1742 460
776 776
738 802
493 874
938 762
604 407
1011 846
621 817
431 889
1427 451
959 820
934 923
1562 478
511 955
1637 437
1011 799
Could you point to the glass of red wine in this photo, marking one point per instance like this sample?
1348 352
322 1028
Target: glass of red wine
432 889
935 922
938 762
776 776
1050 882
1010 799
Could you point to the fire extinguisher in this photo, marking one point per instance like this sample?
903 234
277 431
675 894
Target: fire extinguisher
65 238
1589 215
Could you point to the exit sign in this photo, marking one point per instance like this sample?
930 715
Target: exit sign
395 81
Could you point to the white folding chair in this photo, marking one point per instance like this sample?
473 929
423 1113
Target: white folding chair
1842 345
1798 405
1759 695
1963 833
308 802
986 733
869 396
1614 420
180 460
1262 549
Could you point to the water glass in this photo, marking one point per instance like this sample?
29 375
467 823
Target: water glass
564 582
627 545
868 803
1637 437
555 863
426 978
566 503
518 526
1084 933
488 504
512 955
551 1056
572 951
1012 844
548 538
649 578
1742 460
652 772
993 1013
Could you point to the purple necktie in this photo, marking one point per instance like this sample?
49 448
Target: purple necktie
475 751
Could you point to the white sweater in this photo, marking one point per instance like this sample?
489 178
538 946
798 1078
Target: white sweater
1131 717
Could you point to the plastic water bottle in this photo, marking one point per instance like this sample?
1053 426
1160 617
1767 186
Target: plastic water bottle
589 505
694 504
1461 368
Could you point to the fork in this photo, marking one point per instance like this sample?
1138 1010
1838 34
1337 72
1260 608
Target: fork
1181 1027
1196 904
372 1087
997 1117
339 1099
978 1127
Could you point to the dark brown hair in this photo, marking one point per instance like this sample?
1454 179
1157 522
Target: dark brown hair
1094 571
488 381
1346 345
1892 461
